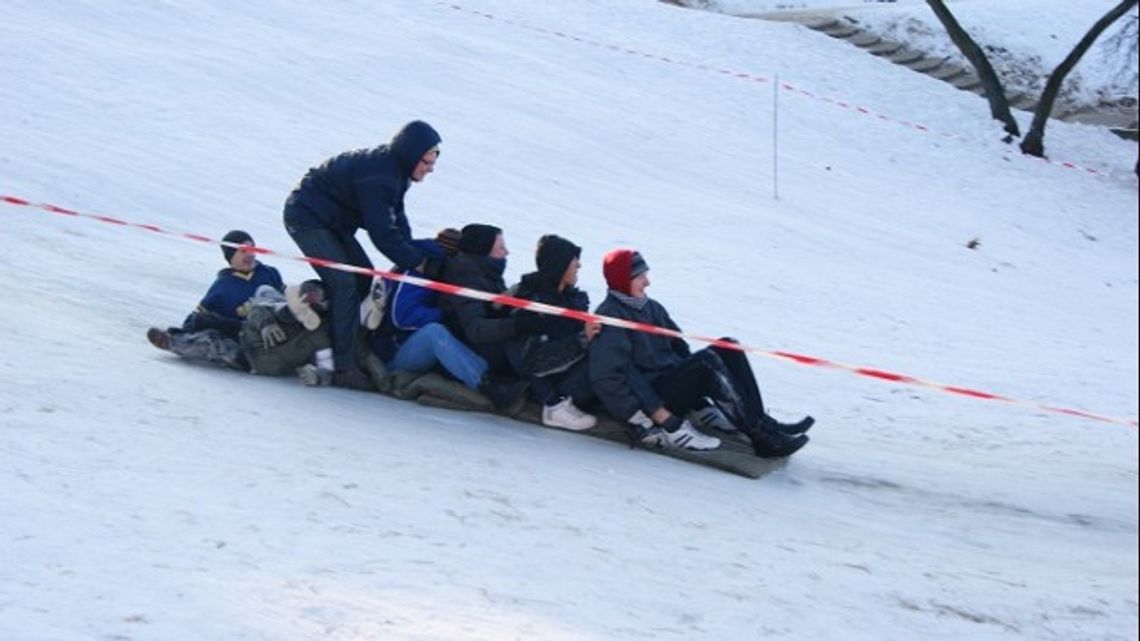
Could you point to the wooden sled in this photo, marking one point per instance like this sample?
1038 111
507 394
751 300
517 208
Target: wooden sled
735 454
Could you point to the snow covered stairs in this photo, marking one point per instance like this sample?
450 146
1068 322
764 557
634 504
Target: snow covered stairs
844 27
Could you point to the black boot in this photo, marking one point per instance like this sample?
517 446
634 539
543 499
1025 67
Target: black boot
503 393
773 444
799 427
354 378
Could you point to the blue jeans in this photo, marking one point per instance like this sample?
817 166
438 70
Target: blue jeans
346 290
433 345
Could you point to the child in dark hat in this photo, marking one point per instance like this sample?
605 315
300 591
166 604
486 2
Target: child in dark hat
484 327
553 255
236 237
225 304
652 381
478 239
249 315
551 351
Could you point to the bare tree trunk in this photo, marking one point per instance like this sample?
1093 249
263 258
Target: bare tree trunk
995 93
1034 141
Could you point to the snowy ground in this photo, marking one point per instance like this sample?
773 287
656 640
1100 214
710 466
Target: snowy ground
1025 40
145 498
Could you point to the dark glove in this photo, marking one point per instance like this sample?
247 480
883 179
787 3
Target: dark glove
529 323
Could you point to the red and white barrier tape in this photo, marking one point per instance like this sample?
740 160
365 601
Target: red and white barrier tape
541 308
751 77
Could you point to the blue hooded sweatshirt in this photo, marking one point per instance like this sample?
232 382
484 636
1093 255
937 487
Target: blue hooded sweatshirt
364 189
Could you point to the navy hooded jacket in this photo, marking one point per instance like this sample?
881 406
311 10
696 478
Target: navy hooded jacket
364 189
226 303
625 363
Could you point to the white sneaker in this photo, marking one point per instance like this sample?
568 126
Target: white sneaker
687 437
711 417
566 415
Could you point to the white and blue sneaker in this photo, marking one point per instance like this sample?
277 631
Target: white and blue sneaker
685 437
710 417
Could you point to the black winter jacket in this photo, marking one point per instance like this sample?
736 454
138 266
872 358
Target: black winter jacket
364 189
484 326
559 342
535 287
624 363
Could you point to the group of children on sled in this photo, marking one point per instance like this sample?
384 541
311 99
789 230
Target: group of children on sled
341 329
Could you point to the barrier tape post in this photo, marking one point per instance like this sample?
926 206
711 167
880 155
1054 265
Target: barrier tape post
542 308
776 139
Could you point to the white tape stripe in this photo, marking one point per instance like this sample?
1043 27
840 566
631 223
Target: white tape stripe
606 320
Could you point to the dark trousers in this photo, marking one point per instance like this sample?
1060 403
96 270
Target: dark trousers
721 374
346 290
574 382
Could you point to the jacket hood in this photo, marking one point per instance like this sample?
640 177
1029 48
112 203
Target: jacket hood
553 256
410 144
478 238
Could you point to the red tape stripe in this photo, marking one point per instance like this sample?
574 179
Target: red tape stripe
520 303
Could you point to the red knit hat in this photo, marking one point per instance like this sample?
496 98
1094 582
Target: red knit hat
621 266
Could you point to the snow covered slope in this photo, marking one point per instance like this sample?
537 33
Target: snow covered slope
145 498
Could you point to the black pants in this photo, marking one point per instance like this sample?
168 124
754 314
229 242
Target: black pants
574 382
721 374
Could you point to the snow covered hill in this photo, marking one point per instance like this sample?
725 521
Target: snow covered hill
146 498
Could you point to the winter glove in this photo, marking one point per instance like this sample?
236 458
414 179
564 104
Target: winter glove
527 323
273 335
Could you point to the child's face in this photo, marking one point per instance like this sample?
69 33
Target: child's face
243 261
